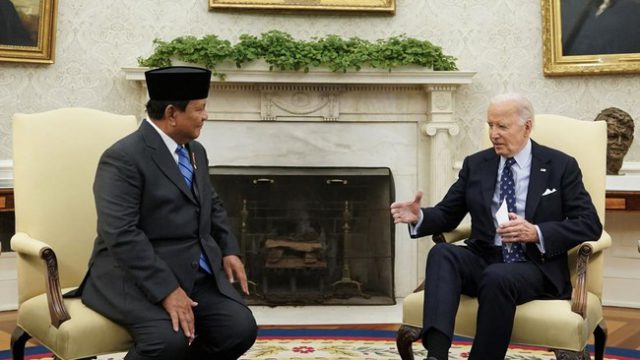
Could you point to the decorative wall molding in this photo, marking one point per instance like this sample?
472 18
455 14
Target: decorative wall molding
431 129
6 173
437 80
280 105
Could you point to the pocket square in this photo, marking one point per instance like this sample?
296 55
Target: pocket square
548 191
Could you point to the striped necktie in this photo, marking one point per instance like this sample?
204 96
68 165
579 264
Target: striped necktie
185 166
187 173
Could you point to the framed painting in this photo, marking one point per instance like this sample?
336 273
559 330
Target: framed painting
590 37
27 30
380 6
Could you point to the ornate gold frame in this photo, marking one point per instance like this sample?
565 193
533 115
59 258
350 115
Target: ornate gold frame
558 64
381 6
44 49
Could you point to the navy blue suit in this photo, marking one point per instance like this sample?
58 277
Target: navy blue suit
566 218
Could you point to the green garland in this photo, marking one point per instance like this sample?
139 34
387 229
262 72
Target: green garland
282 52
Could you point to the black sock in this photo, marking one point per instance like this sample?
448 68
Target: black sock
437 344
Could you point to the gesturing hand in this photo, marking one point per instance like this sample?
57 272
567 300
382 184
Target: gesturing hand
234 269
407 212
179 307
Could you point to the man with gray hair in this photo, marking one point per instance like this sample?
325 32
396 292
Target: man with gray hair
507 262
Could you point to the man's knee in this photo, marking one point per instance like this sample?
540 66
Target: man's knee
440 250
443 254
243 332
230 341
160 344
495 278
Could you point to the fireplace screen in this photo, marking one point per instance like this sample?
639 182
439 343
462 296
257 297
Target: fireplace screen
312 236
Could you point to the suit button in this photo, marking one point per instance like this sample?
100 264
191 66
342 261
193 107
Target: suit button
194 264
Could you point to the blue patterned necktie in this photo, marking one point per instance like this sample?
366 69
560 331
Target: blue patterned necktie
187 173
514 252
185 166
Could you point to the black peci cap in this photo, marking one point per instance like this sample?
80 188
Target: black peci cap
178 83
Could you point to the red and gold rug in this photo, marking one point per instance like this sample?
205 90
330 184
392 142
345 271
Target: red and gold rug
324 344
333 344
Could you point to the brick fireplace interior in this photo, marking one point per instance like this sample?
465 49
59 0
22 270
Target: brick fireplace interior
312 235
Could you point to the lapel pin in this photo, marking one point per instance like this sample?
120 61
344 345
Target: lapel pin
543 169
193 161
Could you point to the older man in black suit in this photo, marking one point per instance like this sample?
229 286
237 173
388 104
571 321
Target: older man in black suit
164 259
506 262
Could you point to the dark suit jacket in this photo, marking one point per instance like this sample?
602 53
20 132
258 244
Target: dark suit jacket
151 229
12 31
566 217
615 31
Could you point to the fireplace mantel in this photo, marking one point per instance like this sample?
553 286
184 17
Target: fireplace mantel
402 119
256 74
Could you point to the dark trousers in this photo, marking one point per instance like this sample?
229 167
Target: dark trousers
225 329
453 270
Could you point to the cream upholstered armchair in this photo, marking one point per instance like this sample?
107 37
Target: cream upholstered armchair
561 325
55 156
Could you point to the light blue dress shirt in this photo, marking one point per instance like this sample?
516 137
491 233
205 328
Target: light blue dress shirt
521 171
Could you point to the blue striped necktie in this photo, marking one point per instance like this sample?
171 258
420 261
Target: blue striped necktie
187 173
515 252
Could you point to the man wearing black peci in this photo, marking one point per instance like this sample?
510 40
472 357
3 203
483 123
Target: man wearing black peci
165 259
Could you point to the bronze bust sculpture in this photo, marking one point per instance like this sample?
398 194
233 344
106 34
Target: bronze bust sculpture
620 129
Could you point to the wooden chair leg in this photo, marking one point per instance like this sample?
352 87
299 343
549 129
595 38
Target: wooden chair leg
19 339
407 335
600 339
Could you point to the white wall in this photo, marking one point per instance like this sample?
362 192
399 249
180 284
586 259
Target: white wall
500 39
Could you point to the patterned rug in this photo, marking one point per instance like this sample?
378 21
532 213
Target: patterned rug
327 344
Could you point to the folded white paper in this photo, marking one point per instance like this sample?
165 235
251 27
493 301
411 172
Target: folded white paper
502 215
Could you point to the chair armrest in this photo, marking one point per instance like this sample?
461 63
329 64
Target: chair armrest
24 245
460 233
585 250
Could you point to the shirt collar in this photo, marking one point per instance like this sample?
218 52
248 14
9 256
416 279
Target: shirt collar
168 141
523 158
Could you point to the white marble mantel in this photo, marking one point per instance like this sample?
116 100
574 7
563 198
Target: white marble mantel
257 74
403 119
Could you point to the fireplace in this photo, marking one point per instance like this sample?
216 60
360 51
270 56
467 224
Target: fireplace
312 235
403 120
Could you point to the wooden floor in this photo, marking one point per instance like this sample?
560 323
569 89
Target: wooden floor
623 324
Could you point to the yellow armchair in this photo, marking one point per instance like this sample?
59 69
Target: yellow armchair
55 156
561 325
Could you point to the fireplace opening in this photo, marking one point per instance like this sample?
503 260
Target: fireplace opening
310 235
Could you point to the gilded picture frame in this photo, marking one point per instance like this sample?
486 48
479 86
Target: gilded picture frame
28 30
590 37
379 6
